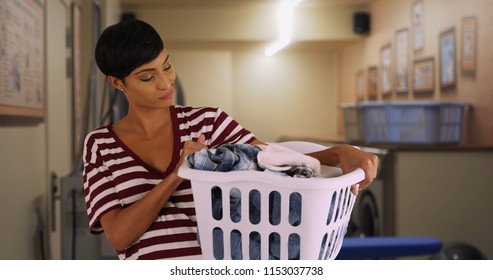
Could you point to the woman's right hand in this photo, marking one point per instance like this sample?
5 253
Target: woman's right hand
190 147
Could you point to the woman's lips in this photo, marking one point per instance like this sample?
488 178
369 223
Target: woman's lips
166 96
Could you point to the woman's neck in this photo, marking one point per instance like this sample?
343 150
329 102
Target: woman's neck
145 122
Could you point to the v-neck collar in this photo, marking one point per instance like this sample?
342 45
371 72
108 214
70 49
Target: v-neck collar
177 147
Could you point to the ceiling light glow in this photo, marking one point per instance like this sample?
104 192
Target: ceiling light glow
285 24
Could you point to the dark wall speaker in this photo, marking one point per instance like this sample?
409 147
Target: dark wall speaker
361 23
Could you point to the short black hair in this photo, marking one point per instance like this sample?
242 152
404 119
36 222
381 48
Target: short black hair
126 45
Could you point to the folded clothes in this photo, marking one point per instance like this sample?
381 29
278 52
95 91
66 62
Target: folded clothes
276 157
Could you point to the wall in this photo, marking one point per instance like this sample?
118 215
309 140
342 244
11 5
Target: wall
292 88
388 16
293 93
206 76
23 182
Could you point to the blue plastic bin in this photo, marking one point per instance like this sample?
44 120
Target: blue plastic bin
353 128
411 122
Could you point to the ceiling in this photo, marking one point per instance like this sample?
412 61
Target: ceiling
131 4
188 3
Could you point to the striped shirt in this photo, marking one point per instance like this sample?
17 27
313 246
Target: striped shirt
115 177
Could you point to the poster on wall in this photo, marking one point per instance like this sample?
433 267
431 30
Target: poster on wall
418 25
402 58
447 58
469 44
22 58
386 70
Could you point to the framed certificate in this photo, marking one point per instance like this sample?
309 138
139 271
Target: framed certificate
386 70
401 60
418 26
469 44
447 58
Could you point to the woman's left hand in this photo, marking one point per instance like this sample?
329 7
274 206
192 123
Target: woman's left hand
351 158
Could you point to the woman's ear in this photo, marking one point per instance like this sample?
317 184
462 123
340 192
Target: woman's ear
115 82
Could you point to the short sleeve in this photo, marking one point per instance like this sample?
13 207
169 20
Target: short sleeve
99 189
227 130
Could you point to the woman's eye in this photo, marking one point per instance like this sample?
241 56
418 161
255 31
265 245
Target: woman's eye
146 79
167 67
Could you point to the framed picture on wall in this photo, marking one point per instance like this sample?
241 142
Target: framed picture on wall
469 44
360 85
22 58
401 60
386 70
447 58
372 82
418 27
423 78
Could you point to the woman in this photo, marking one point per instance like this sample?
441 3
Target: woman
132 189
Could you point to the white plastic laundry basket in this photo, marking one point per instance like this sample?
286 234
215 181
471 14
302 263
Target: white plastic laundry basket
324 213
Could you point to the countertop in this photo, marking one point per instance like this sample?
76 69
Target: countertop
332 141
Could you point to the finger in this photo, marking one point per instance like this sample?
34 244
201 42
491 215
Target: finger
355 189
201 139
364 184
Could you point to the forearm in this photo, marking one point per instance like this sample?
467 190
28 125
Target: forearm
124 226
329 156
348 158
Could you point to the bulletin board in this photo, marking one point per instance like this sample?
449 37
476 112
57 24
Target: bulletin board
22 58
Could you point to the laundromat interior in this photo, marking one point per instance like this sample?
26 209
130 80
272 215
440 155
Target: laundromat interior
344 59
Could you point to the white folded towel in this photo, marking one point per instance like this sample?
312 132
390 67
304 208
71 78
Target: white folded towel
276 157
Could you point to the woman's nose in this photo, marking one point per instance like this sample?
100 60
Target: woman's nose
165 81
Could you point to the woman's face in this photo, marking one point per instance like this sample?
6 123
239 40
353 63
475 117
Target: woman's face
152 84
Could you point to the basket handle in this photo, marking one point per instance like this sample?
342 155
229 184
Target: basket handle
356 175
